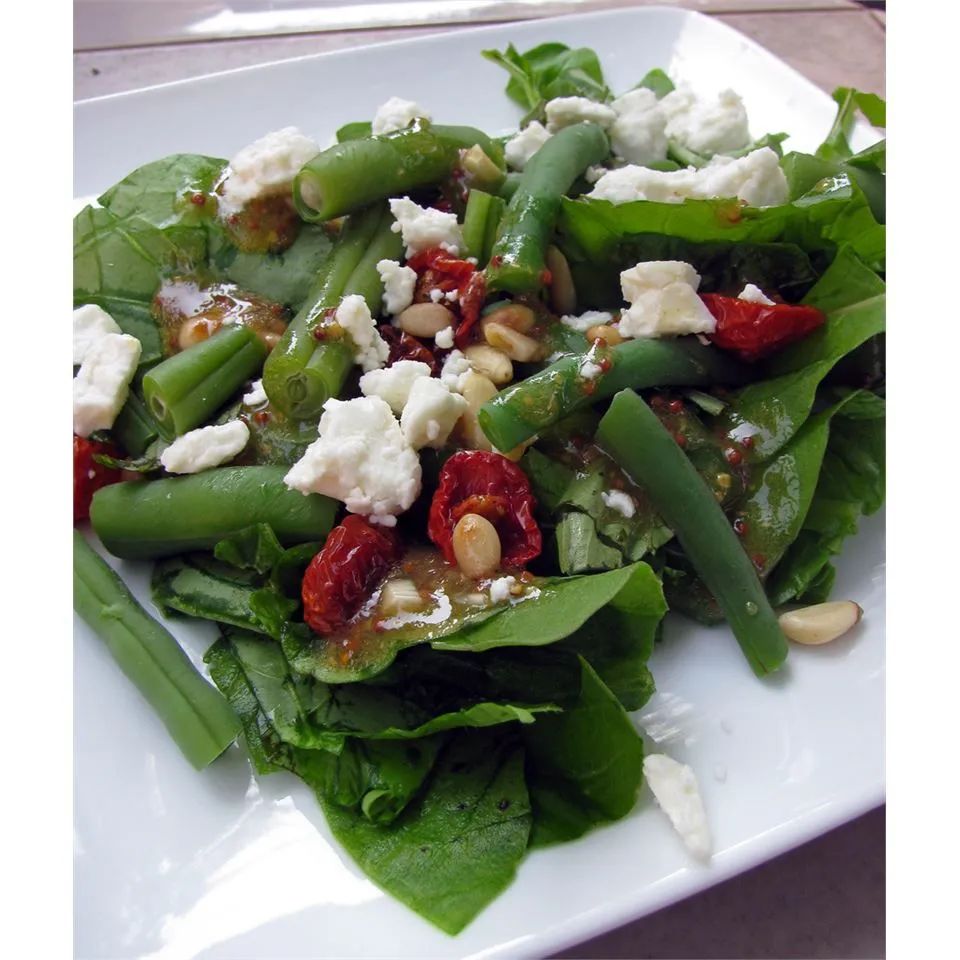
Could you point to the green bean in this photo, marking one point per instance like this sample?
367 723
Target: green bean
301 373
159 518
480 222
357 172
631 433
510 184
186 389
525 409
517 264
194 712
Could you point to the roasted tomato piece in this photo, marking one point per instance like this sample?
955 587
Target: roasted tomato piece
403 346
754 330
88 475
437 269
476 481
355 558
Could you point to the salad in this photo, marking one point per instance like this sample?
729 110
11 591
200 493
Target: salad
437 425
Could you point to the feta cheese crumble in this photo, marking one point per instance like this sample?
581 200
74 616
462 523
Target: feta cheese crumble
361 458
502 588
370 349
753 294
591 318
454 372
663 301
589 370
619 501
393 383
444 339
423 228
519 149
675 789
256 396
638 135
102 384
266 167
396 114
431 412
90 324
706 126
398 285
566 111
756 178
435 294
205 447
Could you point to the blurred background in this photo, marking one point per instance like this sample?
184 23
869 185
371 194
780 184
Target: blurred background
124 44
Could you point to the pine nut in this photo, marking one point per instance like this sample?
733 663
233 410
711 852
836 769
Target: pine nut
476 390
476 545
490 363
820 623
563 294
513 315
196 330
425 319
608 334
517 346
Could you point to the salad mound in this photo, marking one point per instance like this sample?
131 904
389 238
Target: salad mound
437 425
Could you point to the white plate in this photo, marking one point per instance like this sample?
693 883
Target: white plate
175 864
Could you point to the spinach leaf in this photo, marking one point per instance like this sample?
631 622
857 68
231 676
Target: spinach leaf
550 70
657 81
851 484
773 410
849 100
579 547
255 548
584 766
458 845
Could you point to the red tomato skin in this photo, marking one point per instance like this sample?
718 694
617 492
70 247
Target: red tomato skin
490 484
355 558
755 330
88 475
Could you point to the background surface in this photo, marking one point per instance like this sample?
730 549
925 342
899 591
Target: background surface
823 900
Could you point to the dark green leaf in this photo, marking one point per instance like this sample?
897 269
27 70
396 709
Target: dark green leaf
255 548
657 81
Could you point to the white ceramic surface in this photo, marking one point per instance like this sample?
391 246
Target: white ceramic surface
174 864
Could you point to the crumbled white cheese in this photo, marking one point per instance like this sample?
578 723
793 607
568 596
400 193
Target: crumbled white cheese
454 372
706 126
361 458
266 167
398 285
565 111
444 339
393 383
753 294
519 149
589 370
593 174
422 228
256 396
451 296
585 321
435 294
663 301
619 501
90 324
205 447
501 589
102 384
396 114
371 350
431 412
675 788
757 179
639 132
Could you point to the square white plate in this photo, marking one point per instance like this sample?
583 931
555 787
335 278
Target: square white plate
175 864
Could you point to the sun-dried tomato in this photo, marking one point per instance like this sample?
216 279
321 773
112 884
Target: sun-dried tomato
355 558
403 346
88 475
444 263
754 330
438 270
476 481
471 300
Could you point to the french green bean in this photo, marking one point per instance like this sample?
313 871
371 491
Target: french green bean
480 222
186 389
158 518
527 408
631 433
194 712
517 263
